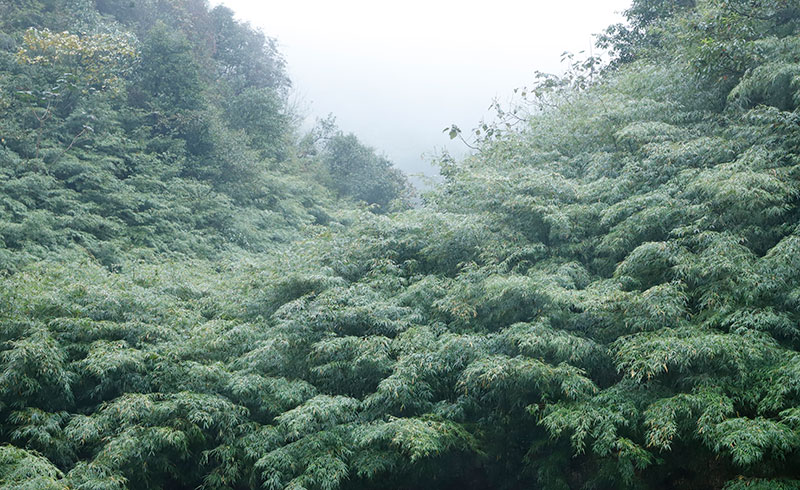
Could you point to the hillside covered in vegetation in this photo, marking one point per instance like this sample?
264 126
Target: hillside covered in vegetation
193 294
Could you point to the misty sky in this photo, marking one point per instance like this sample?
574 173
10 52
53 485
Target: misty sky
397 73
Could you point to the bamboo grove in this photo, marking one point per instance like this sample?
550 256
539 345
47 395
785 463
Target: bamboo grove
194 294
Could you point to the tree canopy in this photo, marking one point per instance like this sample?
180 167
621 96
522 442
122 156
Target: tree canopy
195 295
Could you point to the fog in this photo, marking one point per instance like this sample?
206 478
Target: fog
398 73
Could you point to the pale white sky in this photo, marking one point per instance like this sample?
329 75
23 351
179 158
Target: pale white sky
397 73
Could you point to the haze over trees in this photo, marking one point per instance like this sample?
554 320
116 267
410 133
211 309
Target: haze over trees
196 295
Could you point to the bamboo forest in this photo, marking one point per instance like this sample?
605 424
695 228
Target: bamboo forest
198 293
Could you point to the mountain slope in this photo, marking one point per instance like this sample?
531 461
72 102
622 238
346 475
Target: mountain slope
603 296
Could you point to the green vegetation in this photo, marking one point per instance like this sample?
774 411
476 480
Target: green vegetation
194 295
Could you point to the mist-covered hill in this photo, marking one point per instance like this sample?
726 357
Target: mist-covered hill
133 128
196 295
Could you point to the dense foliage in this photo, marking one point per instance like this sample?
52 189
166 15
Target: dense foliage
605 295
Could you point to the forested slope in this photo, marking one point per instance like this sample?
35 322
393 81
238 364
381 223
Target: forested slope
604 295
134 127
